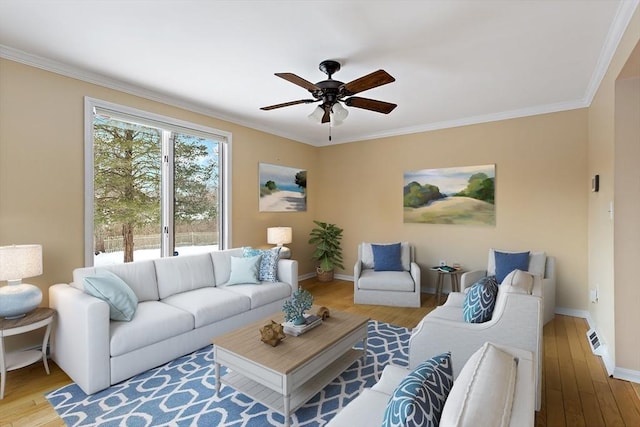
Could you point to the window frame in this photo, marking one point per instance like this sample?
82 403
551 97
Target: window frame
223 137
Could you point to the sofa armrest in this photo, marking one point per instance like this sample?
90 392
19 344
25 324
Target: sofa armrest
470 277
414 270
80 340
288 272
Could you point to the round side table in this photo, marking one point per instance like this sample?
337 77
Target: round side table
454 277
38 318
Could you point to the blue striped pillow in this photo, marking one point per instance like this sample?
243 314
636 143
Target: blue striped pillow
480 300
420 397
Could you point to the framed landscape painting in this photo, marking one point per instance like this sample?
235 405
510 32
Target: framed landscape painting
459 195
282 189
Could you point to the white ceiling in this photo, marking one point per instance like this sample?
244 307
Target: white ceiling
455 62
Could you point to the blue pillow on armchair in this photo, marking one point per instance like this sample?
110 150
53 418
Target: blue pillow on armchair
387 257
507 262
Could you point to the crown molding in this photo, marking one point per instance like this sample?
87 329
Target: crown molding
616 31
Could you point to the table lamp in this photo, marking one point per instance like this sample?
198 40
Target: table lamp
16 263
279 236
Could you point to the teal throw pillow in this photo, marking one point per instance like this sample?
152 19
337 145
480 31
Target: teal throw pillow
111 288
244 270
268 271
507 262
480 300
387 257
420 397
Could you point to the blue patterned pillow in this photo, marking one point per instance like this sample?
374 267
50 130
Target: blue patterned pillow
419 398
268 263
480 300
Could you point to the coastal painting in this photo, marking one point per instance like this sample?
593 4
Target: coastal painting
282 189
458 195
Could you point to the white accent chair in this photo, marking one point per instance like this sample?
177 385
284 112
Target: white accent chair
539 265
516 321
391 288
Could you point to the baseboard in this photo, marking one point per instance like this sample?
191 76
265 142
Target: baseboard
627 374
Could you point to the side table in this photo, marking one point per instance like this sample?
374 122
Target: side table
38 318
455 282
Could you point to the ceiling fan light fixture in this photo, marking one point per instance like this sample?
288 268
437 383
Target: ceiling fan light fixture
339 111
316 114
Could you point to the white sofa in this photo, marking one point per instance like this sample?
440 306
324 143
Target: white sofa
479 396
516 321
182 304
391 288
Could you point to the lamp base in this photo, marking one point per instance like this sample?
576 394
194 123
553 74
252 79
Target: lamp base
285 252
16 300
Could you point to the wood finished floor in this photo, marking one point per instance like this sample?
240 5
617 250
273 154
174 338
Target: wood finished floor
576 388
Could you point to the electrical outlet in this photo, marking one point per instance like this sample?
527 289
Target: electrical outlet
443 262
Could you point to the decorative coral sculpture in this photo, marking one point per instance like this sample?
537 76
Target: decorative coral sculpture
272 333
301 300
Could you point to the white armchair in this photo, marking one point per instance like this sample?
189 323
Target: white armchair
516 321
393 288
539 265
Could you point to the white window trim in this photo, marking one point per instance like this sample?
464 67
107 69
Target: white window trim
225 167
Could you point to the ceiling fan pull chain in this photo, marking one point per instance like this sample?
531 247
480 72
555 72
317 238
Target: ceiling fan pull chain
329 133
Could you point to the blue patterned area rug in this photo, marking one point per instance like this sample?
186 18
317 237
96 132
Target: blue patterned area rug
182 392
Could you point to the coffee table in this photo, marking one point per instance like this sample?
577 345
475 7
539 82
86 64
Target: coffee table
284 377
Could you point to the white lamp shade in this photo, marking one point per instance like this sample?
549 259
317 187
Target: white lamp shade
317 114
340 112
279 235
20 261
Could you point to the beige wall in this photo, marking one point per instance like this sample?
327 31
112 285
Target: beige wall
541 194
41 168
616 309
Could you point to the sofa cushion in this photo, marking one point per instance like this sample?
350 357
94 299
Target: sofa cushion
379 281
420 397
222 263
519 282
263 294
244 270
366 410
268 262
139 275
210 304
183 273
366 255
507 262
387 257
153 322
482 395
110 288
480 300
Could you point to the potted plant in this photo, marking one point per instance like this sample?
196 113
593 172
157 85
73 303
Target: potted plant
328 252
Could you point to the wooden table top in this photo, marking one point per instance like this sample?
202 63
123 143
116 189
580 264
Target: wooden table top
36 315
292 351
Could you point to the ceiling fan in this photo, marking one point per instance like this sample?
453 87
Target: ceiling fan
330 93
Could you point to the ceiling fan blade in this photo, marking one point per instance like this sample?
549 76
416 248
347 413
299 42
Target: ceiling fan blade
326 117
370 104
286 104
297 80
375 79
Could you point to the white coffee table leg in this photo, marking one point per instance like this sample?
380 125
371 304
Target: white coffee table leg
287 408
364 348
217 366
